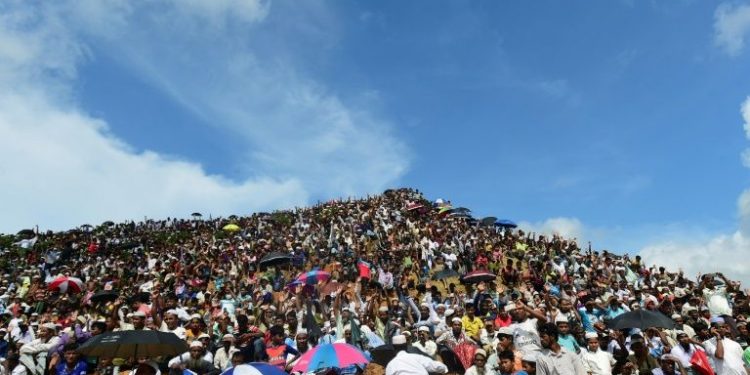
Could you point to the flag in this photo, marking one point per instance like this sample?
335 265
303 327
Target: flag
365 269
700 363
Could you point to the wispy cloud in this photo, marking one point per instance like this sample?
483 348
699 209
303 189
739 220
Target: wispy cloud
731 27
302 139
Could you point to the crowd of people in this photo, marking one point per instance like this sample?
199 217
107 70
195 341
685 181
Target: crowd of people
385 277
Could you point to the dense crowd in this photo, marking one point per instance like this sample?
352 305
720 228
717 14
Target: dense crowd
382 274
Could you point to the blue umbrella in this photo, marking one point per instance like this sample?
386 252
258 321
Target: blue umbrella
505 223
254 368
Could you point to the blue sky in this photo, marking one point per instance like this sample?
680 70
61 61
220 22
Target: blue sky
617 122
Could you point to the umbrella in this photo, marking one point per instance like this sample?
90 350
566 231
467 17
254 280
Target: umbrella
489 221
385 353
231 227
641 319
104 296
445 209
66 284
313 277
414 206
254 368
108 223
135 343
275 258
462 210
506 223
26 232
196 214
338 355
478 276
445 274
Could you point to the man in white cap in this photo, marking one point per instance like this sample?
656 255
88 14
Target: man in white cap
35 353
223 356
411 364
195 360
425 343
595 360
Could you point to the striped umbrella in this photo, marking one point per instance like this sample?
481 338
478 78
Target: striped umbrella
254 368
330 355
66 284
314 277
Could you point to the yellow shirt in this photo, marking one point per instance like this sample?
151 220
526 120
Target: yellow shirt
472 327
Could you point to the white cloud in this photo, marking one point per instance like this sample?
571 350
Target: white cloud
60 166
727 253
566 227
731 27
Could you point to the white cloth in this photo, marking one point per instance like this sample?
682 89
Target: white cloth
597 363
19 370
429 347
717 301
413 364
732 363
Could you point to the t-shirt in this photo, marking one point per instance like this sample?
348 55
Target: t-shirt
525 333
717 301
732 364
277 355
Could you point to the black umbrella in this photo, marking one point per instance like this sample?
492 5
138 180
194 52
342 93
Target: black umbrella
196 214
275 258
444 274
478 277
108 223
26 232
385 353
104 296
135 343
641 319
489 221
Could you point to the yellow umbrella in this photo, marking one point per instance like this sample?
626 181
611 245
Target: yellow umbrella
231 227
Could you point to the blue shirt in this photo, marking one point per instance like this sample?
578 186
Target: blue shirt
79 369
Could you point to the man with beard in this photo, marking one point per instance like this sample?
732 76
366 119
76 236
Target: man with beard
685 349
171 323
455 336
425 343
223 356
595 360
195 362
554 359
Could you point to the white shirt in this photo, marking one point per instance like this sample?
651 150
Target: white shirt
19 370
717 301
599 362
429 347
732 363
413 364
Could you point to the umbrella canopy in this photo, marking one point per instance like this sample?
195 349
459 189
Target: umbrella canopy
462 210
489 221
136 343
66 284
506 223
641 319
313 277
330 355
414 206
104 296
478 276
196 214
26 232
254 368
275 258
108 223
231 227
444 274
445 209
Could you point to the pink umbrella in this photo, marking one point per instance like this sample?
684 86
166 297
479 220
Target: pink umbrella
313 277
66 284
330 355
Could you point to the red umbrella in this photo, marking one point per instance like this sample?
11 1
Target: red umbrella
66 284
478 276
